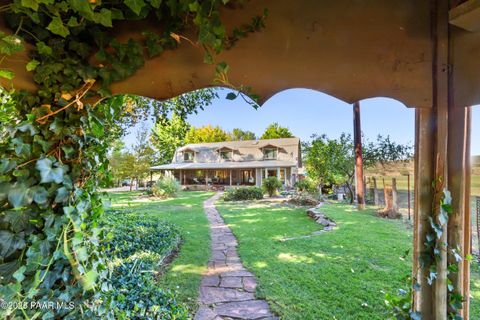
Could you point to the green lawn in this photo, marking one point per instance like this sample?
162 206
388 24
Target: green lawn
341 274
183 275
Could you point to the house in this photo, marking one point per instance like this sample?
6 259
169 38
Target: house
236 163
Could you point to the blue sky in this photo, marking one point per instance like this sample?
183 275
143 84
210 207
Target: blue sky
306 112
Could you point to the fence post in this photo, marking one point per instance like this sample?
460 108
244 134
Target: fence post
478 223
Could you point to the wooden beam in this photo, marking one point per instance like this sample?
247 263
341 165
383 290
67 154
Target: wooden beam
459 228
357 138
466 15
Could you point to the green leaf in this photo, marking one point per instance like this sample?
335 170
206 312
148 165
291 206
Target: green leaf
82 254
104 17
155 3
10 242
83 8
47 172
73 22
89 279
6 165
19 195
43 49
56 26
10 44
62 195
40 194
32 4
18 275
135 5
7 74
231 96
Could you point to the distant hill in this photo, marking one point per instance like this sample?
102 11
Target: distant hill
476 160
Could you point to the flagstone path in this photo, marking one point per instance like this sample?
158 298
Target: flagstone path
227 289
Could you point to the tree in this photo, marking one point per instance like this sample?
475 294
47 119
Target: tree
142 158
275 131
238 134
167 135
331 161
206 134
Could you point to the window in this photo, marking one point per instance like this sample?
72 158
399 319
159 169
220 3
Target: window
226 155
270 154
188 156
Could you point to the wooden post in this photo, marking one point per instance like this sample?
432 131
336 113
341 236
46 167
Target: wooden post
459 228
357 136
408 196
376 201
431 164
230 176
394 194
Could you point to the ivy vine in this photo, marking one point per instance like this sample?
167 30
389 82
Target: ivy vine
54 142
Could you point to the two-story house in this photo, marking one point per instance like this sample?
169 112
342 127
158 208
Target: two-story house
236 162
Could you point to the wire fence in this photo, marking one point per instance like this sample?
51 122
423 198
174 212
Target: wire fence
406 200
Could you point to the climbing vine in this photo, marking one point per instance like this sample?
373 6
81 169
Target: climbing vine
54 142
402 305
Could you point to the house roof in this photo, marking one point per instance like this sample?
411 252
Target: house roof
233 145
225 165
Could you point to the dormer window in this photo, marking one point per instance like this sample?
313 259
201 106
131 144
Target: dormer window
270 153
226 155
188 156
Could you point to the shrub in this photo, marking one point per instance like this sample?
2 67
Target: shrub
304 199
306 185
166 187
271 185
243 193
137 246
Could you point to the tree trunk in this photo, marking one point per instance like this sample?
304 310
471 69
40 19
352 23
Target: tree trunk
350 191
131 183
391 209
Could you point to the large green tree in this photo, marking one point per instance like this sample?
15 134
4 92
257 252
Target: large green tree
275 131
332 161
167 135
206 134
238 134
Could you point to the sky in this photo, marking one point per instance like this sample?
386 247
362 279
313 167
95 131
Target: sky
306 112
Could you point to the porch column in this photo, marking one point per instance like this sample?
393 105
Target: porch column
266 173
278 173
357 137
459 229
285 177
230 176
441 157
206 178
181 176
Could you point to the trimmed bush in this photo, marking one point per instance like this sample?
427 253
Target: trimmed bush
166 187
271 185
243 193
137 247
306 185
304 199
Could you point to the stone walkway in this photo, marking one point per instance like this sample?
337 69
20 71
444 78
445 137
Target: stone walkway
227 289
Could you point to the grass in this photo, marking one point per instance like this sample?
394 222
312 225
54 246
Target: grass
183 275
342 274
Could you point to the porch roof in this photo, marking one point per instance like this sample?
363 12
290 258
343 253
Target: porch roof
226 165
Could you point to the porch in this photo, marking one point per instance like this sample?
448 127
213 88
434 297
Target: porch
232 177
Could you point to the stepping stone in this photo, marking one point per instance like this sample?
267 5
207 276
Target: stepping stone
239 273
231 282
205 313
210 295
254 309
249 284
210 281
